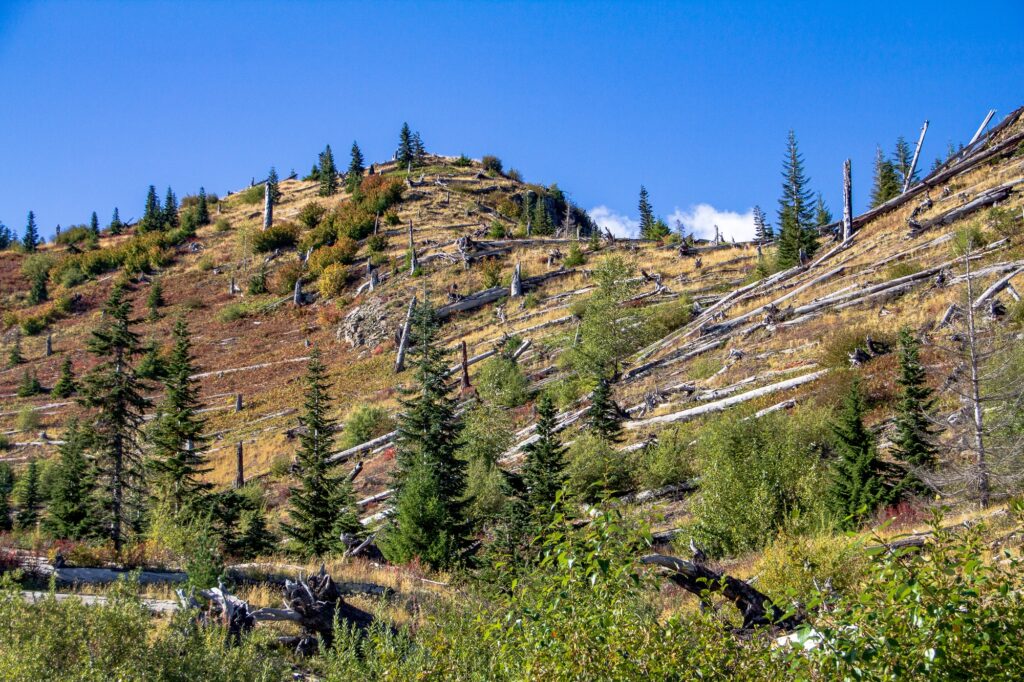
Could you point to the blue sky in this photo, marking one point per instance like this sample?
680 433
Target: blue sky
98 100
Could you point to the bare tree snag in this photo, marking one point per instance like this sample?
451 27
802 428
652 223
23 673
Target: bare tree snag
465 365
516 289
981 128
297 294
268 206
403 343
917 153
239 466
238 402
49 345
848 201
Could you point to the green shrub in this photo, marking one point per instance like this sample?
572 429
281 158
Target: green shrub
280 236
284 278
902 269
76 235
365 423
35 324
575 256
206 263
27 419
669 462
491 164
252 195
391 219
490 270
663 318
222 225
377 243
1005 222
835 348
596 468
312 214
343 251
240 310
462 162
514 174
332 280
969 239
501 381
496 230
258 283
791 566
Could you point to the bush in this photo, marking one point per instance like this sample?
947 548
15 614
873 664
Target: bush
240 310
575 256
669 462
343 251
970 238
667 317
514 174
490 270
491 164
75 235
596 468
501 382
258 283
1005 222
35 324
902 269
312 214
283 280
280 236
222 225
252 195
377 243
462 162
365 423
836 348
391 219
496 230
27 420
793 564
332 280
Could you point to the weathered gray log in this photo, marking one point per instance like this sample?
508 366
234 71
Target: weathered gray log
522 349
848 201
372 499
403 342
355 471
239 466
981 128
998 286
983 200
154 606
917 153
472 302
516 289
362 447
268 206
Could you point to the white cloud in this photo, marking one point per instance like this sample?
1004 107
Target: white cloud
619 225
702 218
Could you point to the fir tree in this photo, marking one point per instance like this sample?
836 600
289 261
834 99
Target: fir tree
886 183
406 153
38 292
418 150
796 214
14 357
29 498
94 224
155 299
762 230
646 213
152 217
29 385
202 208
177 432
541 220
65 386
354 176
6 237
913 439
274 182
254 538
322 506
31 239
902 158
328 173
604 417
151 364
6 486
822 216
861 480
170 211
70 512
113 394
430 479
116 226
544 470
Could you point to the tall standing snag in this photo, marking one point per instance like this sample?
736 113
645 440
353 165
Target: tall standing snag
403 342
268 206
913 164
847 201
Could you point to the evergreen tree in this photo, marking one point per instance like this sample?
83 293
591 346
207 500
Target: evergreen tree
38 292
177 432
274 182
31 239
65 385
902 158
541 220
155 299
14 356
322 506
604 417
418 150
544 470
762 230
328 173
30 385
6 486
151 364
29 498
430 480
254 538
646 214
94 224
152 217
170 210
822 216
913 439
116 226
796 214
886 183
71 513
861 480
6 237
354 176
113 393
202 208
406 153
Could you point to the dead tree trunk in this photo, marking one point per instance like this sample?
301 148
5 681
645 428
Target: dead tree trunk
238 402
917 153
49 345
239 466
465 366
413 265
297 294
268 206
977 415
516 289
847 201
403 342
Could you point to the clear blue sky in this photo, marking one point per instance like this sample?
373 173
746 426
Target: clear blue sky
98 100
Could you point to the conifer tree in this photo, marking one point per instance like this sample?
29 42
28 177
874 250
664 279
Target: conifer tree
31 239
322 506
603 418
914 433
541 220
152 217
861 481
796 214
38 292
65 386
274 182
822 216
177 432
902 158
70 513
646 213
202 208
116 226
14 357
6 238
155 299
5 510
544 469
170 211
29 498
354 176
886 183
762 230
418 150
29 385
112 392
94 224
254 538
151 364
406 153
430 479
328 173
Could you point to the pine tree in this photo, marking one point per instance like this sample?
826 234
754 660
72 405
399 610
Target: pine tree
94 224
541 220
31 238
354 176
822 216
322 506
254 538
29 385
170 210
151 364
544 469
796 214
328 173
153 217
202 208
274 182
762 230
6 486
902 158
603 417
14 357
646 213
177 432
65 386
70 512
861 480
6 237
406 153
430 479
418 150
116 226
113 394
38 292
886 183
913 439
155 299
29 498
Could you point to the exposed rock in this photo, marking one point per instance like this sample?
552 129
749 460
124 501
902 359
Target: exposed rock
367 325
